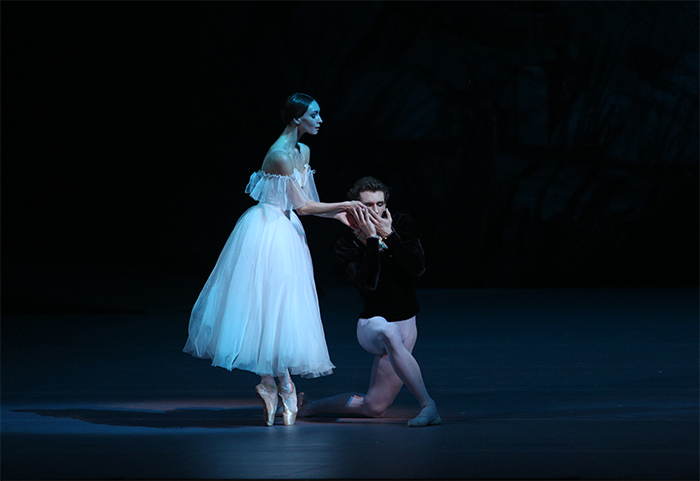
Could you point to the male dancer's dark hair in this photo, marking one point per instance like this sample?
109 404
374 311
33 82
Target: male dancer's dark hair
367 184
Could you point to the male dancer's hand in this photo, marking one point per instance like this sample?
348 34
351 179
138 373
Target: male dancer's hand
351 211
365 226
382 224
346 218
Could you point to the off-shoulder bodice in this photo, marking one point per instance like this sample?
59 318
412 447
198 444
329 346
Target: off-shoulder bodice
286 191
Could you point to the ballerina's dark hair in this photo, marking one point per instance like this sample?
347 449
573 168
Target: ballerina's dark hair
295 106
366 184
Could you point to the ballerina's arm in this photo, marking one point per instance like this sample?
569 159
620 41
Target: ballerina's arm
280 163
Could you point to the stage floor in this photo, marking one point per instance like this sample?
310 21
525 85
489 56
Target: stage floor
530 384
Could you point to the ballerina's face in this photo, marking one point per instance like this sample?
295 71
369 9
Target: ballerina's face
374 200
310 122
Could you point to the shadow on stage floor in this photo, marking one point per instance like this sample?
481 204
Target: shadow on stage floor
531 384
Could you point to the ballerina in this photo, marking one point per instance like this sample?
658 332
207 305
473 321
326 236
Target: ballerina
258 310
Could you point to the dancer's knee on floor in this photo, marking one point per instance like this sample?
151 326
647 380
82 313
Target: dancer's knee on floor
375 409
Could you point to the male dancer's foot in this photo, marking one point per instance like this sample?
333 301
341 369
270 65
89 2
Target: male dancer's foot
428 416
302 405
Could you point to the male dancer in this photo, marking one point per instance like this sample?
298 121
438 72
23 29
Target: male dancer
383 255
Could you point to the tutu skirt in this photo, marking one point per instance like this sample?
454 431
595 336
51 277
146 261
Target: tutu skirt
259 310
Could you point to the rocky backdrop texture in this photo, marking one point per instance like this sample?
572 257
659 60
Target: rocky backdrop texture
537 144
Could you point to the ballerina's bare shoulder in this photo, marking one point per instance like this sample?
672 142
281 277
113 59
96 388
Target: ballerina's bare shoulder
281 162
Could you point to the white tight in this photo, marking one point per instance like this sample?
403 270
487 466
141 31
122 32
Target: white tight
394 365
285 381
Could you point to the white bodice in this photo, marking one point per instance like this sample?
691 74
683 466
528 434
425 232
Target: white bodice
286 191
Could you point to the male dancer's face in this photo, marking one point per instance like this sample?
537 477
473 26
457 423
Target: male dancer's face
374 200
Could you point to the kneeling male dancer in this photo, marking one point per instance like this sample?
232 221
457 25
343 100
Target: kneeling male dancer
383 255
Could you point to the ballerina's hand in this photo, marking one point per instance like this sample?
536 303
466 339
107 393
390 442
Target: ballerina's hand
347 219
349 212
354 208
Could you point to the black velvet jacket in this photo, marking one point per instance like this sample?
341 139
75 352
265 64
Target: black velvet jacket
385 279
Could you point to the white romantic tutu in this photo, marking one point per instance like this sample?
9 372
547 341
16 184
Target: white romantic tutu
259 309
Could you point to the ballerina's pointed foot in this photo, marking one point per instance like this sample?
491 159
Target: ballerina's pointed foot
428 416
289 404
268 395
301 399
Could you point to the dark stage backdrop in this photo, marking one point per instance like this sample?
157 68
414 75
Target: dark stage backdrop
538 144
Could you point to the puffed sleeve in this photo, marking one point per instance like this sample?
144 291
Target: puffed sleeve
310 186
280 190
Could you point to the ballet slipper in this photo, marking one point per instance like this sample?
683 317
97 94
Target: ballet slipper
428 416
289 404
268 395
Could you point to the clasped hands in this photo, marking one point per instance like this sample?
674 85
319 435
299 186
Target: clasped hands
365 222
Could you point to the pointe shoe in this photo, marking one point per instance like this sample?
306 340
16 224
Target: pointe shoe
428 416
268 395
301 399
289 404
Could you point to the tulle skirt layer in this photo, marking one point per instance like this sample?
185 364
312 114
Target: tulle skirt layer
259 309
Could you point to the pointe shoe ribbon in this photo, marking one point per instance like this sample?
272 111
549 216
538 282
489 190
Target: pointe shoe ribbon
268 395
